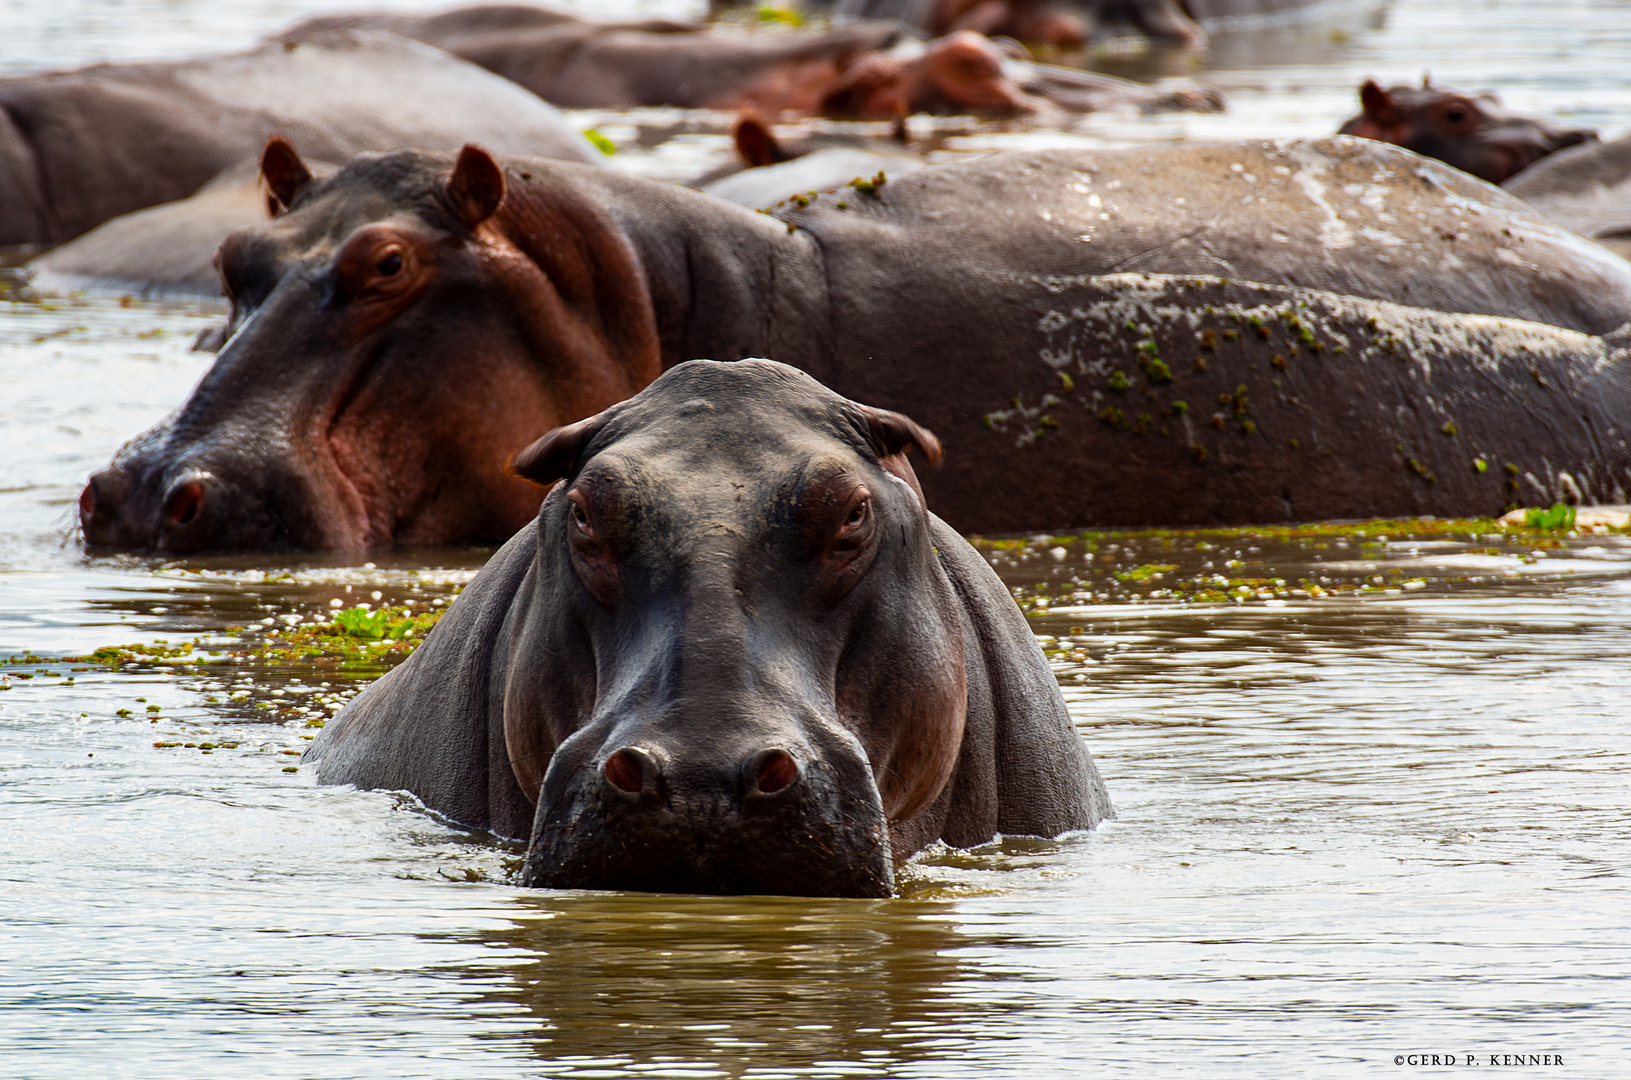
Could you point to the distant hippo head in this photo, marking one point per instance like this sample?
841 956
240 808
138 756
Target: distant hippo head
959 73
333 416
740 660
1474 134
1039 22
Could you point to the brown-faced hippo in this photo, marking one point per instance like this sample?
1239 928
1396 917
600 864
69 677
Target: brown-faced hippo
86 145
1586 189
735 654
1473 133
1178 335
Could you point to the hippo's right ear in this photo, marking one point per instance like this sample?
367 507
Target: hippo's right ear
557 454
1377 102
285 173
890 434
476 187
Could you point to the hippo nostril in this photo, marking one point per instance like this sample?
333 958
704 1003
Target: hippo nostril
773 770
182 505
87 500
626 770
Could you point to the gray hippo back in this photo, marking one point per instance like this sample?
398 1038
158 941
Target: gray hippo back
735 654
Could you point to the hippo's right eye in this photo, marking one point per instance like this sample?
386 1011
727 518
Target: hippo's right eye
391 264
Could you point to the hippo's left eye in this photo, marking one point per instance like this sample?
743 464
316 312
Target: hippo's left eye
856 518
391 264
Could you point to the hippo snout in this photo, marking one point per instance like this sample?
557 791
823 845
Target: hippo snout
178 510
774 820
117 509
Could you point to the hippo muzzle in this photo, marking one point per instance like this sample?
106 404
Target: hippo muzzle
639 812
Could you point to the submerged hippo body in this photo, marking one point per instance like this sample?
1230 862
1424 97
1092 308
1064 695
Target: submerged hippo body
1586 189
576 63
1471 132
164 252
100 141
1279 342
735 654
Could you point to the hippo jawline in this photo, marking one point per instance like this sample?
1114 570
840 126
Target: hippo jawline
708 847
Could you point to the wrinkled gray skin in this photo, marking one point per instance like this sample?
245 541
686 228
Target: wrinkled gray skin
80 147
698 673
1585 189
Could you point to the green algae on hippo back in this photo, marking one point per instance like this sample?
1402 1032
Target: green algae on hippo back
1293 405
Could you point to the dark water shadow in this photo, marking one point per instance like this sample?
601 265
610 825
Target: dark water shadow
738 983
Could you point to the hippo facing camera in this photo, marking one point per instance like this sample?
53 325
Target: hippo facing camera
734 654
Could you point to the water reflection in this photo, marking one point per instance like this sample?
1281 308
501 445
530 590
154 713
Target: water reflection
733 986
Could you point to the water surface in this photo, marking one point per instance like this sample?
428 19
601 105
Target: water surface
1371 788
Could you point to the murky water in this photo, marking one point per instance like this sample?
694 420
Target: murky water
1371 787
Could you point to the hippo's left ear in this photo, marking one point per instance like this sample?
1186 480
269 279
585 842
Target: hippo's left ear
890 434
556 454
285 173
476 187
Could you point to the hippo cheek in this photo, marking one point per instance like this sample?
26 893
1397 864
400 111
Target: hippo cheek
916 740
777 819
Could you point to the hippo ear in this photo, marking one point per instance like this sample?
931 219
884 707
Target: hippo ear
476 187
557 454
1377 102
285 173
755 141
890 434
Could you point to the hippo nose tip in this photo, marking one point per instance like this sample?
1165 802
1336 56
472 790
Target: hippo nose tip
101 505
87 500
771 771
629 771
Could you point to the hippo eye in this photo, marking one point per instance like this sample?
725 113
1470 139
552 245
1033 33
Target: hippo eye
857 516
391 264
580 520
1455 116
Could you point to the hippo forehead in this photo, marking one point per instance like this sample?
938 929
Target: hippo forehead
745 415
711 434
401 187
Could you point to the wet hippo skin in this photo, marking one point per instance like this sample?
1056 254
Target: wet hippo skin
86 145
1182 335
734 654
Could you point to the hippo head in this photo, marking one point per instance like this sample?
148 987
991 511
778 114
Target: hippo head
1474 134
959 73
374 384
739 660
